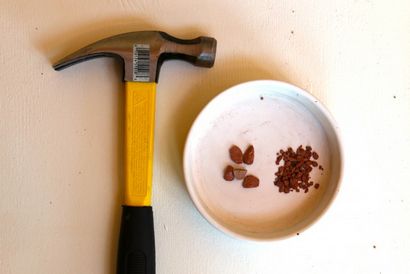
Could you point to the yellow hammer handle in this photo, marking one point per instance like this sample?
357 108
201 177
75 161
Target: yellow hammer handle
139 142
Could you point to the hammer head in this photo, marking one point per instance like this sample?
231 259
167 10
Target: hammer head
143 53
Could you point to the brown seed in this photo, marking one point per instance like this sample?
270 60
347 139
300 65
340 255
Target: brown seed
249 155
228 174
250 181
236 154
281 188
239 173
317 186
315 155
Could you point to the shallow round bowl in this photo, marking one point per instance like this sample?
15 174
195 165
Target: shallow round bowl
269 115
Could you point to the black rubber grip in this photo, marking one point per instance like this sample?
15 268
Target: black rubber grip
136 249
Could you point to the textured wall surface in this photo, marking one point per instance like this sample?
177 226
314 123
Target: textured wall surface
61 132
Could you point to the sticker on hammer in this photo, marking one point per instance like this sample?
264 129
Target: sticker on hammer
140 63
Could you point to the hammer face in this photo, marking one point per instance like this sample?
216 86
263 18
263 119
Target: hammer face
143 53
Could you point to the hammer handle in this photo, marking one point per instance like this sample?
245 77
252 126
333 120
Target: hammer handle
139 142
136 249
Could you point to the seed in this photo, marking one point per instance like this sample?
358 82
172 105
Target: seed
315 155
249 155
229 173
239 173
250 181
236 154
281 188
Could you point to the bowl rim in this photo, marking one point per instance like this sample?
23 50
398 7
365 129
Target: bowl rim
282 85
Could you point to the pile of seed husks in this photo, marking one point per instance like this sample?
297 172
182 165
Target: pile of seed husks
294 173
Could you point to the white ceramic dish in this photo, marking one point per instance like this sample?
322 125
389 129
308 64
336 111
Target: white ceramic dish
270 115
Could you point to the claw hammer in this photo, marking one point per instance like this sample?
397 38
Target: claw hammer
142 53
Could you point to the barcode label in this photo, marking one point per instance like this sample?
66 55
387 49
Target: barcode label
140 63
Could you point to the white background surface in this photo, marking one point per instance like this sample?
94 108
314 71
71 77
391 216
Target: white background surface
61 132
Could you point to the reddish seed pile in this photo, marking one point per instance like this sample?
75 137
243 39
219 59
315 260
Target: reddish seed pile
294 173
